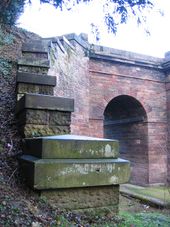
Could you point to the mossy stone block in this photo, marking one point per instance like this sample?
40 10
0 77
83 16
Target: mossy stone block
45 102
71 146
90 200
73 173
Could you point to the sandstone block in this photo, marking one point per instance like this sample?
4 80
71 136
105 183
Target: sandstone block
59 118
32 130
73 173
32 78
45 102
92 200
71 146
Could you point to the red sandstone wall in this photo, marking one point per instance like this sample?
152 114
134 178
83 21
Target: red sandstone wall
93 83
109 80
71 69
168 116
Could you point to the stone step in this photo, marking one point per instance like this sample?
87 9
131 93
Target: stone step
71 146
36 46
73 173
44 63
44 102
32 78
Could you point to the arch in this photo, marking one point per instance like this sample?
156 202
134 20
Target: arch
125 119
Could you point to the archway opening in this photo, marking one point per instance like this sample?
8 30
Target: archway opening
125 119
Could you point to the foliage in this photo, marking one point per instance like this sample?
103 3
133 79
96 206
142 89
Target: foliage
10 10
115 12
5 67
5 39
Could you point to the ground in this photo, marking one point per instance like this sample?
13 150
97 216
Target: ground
21 207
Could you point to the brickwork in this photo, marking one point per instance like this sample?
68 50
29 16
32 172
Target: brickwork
71 70
95 75
119 81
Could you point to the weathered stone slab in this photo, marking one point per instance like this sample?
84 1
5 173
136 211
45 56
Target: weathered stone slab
23 88
35 101
33 69
35 46
71 146
33 130
32 62
31 78
36 117
59 118
103 199
71 173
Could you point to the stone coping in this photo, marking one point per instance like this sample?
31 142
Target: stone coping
112 54
44 102
36 63
72 173
32 78
71 146
35 46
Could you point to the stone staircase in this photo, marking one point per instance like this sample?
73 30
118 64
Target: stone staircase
73 172
39 113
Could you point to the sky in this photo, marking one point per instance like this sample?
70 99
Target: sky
46 21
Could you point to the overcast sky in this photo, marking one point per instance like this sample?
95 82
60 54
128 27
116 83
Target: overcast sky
47 22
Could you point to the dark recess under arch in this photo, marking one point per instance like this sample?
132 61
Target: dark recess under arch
125 119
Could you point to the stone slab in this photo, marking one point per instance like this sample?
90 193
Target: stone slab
32 78
72 173
89 200
71 146
23 88
35 46
34 130
44 102
36 63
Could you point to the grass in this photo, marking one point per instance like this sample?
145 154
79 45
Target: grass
162 193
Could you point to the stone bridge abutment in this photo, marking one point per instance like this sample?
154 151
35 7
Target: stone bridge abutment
96 76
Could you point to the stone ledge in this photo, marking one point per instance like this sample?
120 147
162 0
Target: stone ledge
36 63
125 60
72 173
44 102
71 146
35 46
32 78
